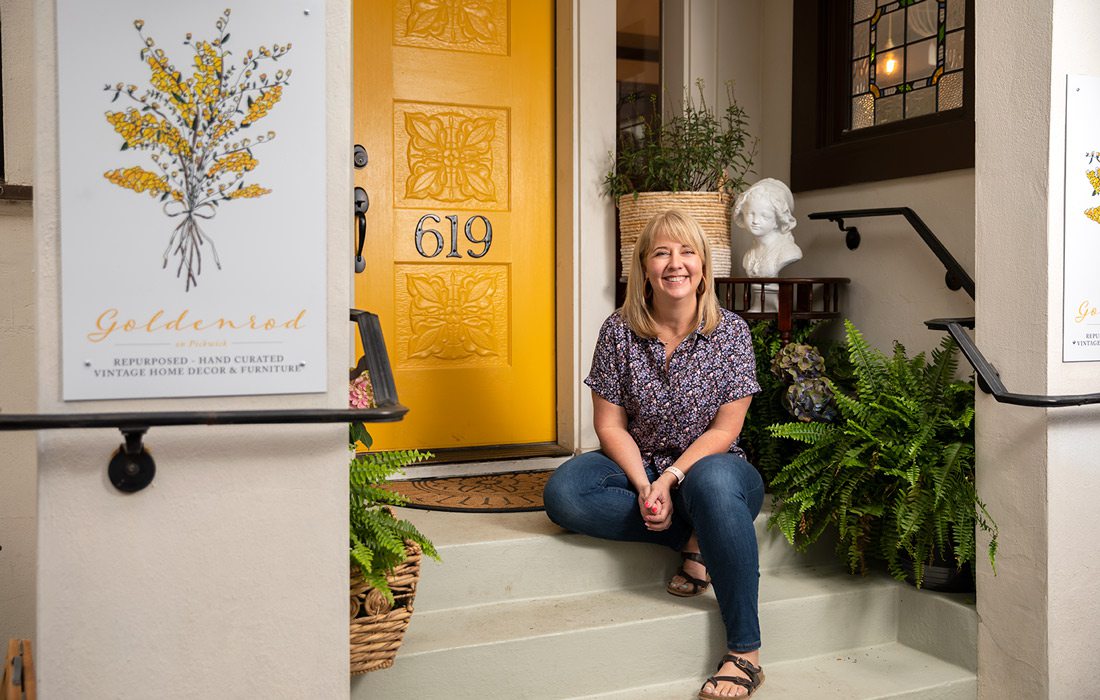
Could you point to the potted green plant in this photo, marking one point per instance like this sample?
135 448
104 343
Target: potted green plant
895 473
695 160
385 555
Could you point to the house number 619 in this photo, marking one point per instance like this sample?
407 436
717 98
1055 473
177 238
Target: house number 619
485 241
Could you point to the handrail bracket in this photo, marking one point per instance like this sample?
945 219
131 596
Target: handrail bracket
132 468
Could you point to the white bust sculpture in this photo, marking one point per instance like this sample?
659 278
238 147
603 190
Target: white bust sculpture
766 210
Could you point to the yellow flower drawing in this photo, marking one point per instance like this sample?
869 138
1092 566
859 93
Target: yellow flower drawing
1094 180
190 128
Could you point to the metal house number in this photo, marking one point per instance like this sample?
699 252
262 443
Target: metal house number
485 241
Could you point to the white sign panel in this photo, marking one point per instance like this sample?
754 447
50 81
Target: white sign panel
192 168
1081 292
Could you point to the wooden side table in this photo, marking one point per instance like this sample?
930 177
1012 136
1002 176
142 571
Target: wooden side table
781 299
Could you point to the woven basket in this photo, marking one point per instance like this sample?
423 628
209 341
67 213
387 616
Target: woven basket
710 209
377 628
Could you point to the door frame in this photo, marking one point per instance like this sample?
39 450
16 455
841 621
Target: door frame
585 222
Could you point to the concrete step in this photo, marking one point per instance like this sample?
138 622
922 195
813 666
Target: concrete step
503 557
520 608
566 646
892 671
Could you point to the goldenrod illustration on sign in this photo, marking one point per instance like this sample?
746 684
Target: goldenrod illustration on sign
193 130
1094 180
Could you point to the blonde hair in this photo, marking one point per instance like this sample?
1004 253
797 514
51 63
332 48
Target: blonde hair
637 310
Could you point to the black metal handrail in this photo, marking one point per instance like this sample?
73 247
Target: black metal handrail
955 278
132 467
135 420
989 379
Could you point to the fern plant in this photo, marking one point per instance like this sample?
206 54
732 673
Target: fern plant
895 475
377 536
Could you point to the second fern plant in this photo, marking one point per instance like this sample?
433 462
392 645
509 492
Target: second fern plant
377 536
895 475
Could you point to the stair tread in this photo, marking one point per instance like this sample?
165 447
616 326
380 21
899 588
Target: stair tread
503 621
447 529
867 673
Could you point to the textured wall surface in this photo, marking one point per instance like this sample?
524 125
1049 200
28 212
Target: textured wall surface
1011 208
17 330
17 395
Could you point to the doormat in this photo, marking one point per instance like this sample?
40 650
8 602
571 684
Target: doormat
510 492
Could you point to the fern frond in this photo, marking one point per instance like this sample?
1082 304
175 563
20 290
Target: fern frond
376 536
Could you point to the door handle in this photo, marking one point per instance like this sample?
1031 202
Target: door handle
362 204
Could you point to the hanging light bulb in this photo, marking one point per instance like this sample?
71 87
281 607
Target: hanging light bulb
891 66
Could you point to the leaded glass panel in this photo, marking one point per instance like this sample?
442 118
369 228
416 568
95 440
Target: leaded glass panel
922 20
888 109
921 61
891 30
951 91
863 111
955 48
860 73
906 59
920 102
862 9
956 14
889 69
861 45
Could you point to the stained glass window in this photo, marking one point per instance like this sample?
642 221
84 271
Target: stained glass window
907 59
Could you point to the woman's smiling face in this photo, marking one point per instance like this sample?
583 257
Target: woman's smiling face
674 269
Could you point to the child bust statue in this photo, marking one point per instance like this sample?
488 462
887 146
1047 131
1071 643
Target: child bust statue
766 210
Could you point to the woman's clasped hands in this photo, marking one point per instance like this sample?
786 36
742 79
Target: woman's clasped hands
655 502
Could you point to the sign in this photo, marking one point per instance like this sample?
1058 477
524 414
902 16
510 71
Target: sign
192 176
1081 286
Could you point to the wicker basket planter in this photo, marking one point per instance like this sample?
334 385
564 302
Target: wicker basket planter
710 209
377 628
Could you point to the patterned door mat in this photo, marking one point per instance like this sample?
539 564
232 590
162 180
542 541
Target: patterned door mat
509 492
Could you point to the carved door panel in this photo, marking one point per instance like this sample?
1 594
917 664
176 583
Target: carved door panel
454 103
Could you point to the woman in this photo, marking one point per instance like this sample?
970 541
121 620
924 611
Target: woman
766 210
672 377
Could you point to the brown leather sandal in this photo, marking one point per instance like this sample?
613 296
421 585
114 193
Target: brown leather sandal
755 679
697 586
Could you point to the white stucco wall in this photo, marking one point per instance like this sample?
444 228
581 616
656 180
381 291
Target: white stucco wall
1011 209
17 331
228 576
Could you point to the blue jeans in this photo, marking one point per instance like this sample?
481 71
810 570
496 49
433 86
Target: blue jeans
718 500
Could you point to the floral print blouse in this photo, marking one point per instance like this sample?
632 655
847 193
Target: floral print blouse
666 411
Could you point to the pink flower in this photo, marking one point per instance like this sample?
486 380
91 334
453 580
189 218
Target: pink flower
361 393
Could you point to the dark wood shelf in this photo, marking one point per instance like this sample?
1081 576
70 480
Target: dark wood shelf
781 299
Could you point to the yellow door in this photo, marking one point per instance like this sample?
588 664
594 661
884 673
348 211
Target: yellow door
454 104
